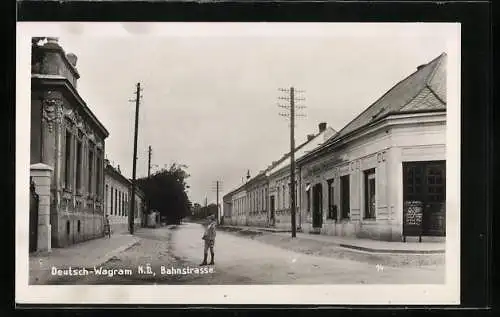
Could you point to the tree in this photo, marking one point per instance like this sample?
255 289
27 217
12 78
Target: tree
203 212
165 190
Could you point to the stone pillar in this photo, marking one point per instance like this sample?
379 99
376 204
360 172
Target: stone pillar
41 175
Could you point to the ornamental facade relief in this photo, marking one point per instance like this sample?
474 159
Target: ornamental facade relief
52 112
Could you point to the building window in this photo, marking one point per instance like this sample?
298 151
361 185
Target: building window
332 208
91 171
111 205
346 196
370 194
106 200
98 177
67 161
67 227
279 199
265 198
120 211
284 197
78 226
308 197
116 202
79 147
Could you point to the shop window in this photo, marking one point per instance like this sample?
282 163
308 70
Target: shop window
370 206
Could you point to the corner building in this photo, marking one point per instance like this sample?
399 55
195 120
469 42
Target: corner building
69 140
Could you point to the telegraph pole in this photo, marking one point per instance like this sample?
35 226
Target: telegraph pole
149 162
291 115
134 164
217 189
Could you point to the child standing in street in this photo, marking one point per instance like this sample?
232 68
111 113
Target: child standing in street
209 238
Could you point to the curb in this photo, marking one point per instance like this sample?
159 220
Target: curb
345 245
111 254
390 251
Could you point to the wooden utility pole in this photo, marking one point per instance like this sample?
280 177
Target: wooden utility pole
134 164
149 162
217 188
292 115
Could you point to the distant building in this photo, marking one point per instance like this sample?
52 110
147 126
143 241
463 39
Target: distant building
67 152
118 200
280 181
263 200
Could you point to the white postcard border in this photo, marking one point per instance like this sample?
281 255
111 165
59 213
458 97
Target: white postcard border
448 293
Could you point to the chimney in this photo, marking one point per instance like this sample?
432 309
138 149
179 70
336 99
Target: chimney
310 137
118 168
72 58
106 162
248 174
322 127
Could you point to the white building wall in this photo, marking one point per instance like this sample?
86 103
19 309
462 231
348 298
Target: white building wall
119 223
384 150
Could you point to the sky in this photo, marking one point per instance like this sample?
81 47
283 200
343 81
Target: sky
210 93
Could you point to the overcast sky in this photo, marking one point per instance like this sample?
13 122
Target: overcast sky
210 102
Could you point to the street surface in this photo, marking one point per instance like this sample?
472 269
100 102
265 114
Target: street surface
242 260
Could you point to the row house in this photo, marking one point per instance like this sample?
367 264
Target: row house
263 201
383 175
66 153
117 202
280 181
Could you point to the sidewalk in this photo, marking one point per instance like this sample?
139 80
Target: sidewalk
365 245
82 255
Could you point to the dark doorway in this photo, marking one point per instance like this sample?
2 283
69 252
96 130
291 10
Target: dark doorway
317 206
425 184
345 197
33 226
271 207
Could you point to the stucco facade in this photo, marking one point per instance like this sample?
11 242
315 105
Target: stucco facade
67 137
392 156
382 149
